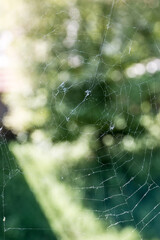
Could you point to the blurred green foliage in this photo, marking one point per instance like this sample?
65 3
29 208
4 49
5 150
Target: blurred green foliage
92 102
22 213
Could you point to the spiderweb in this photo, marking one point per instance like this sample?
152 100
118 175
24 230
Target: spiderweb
104 90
